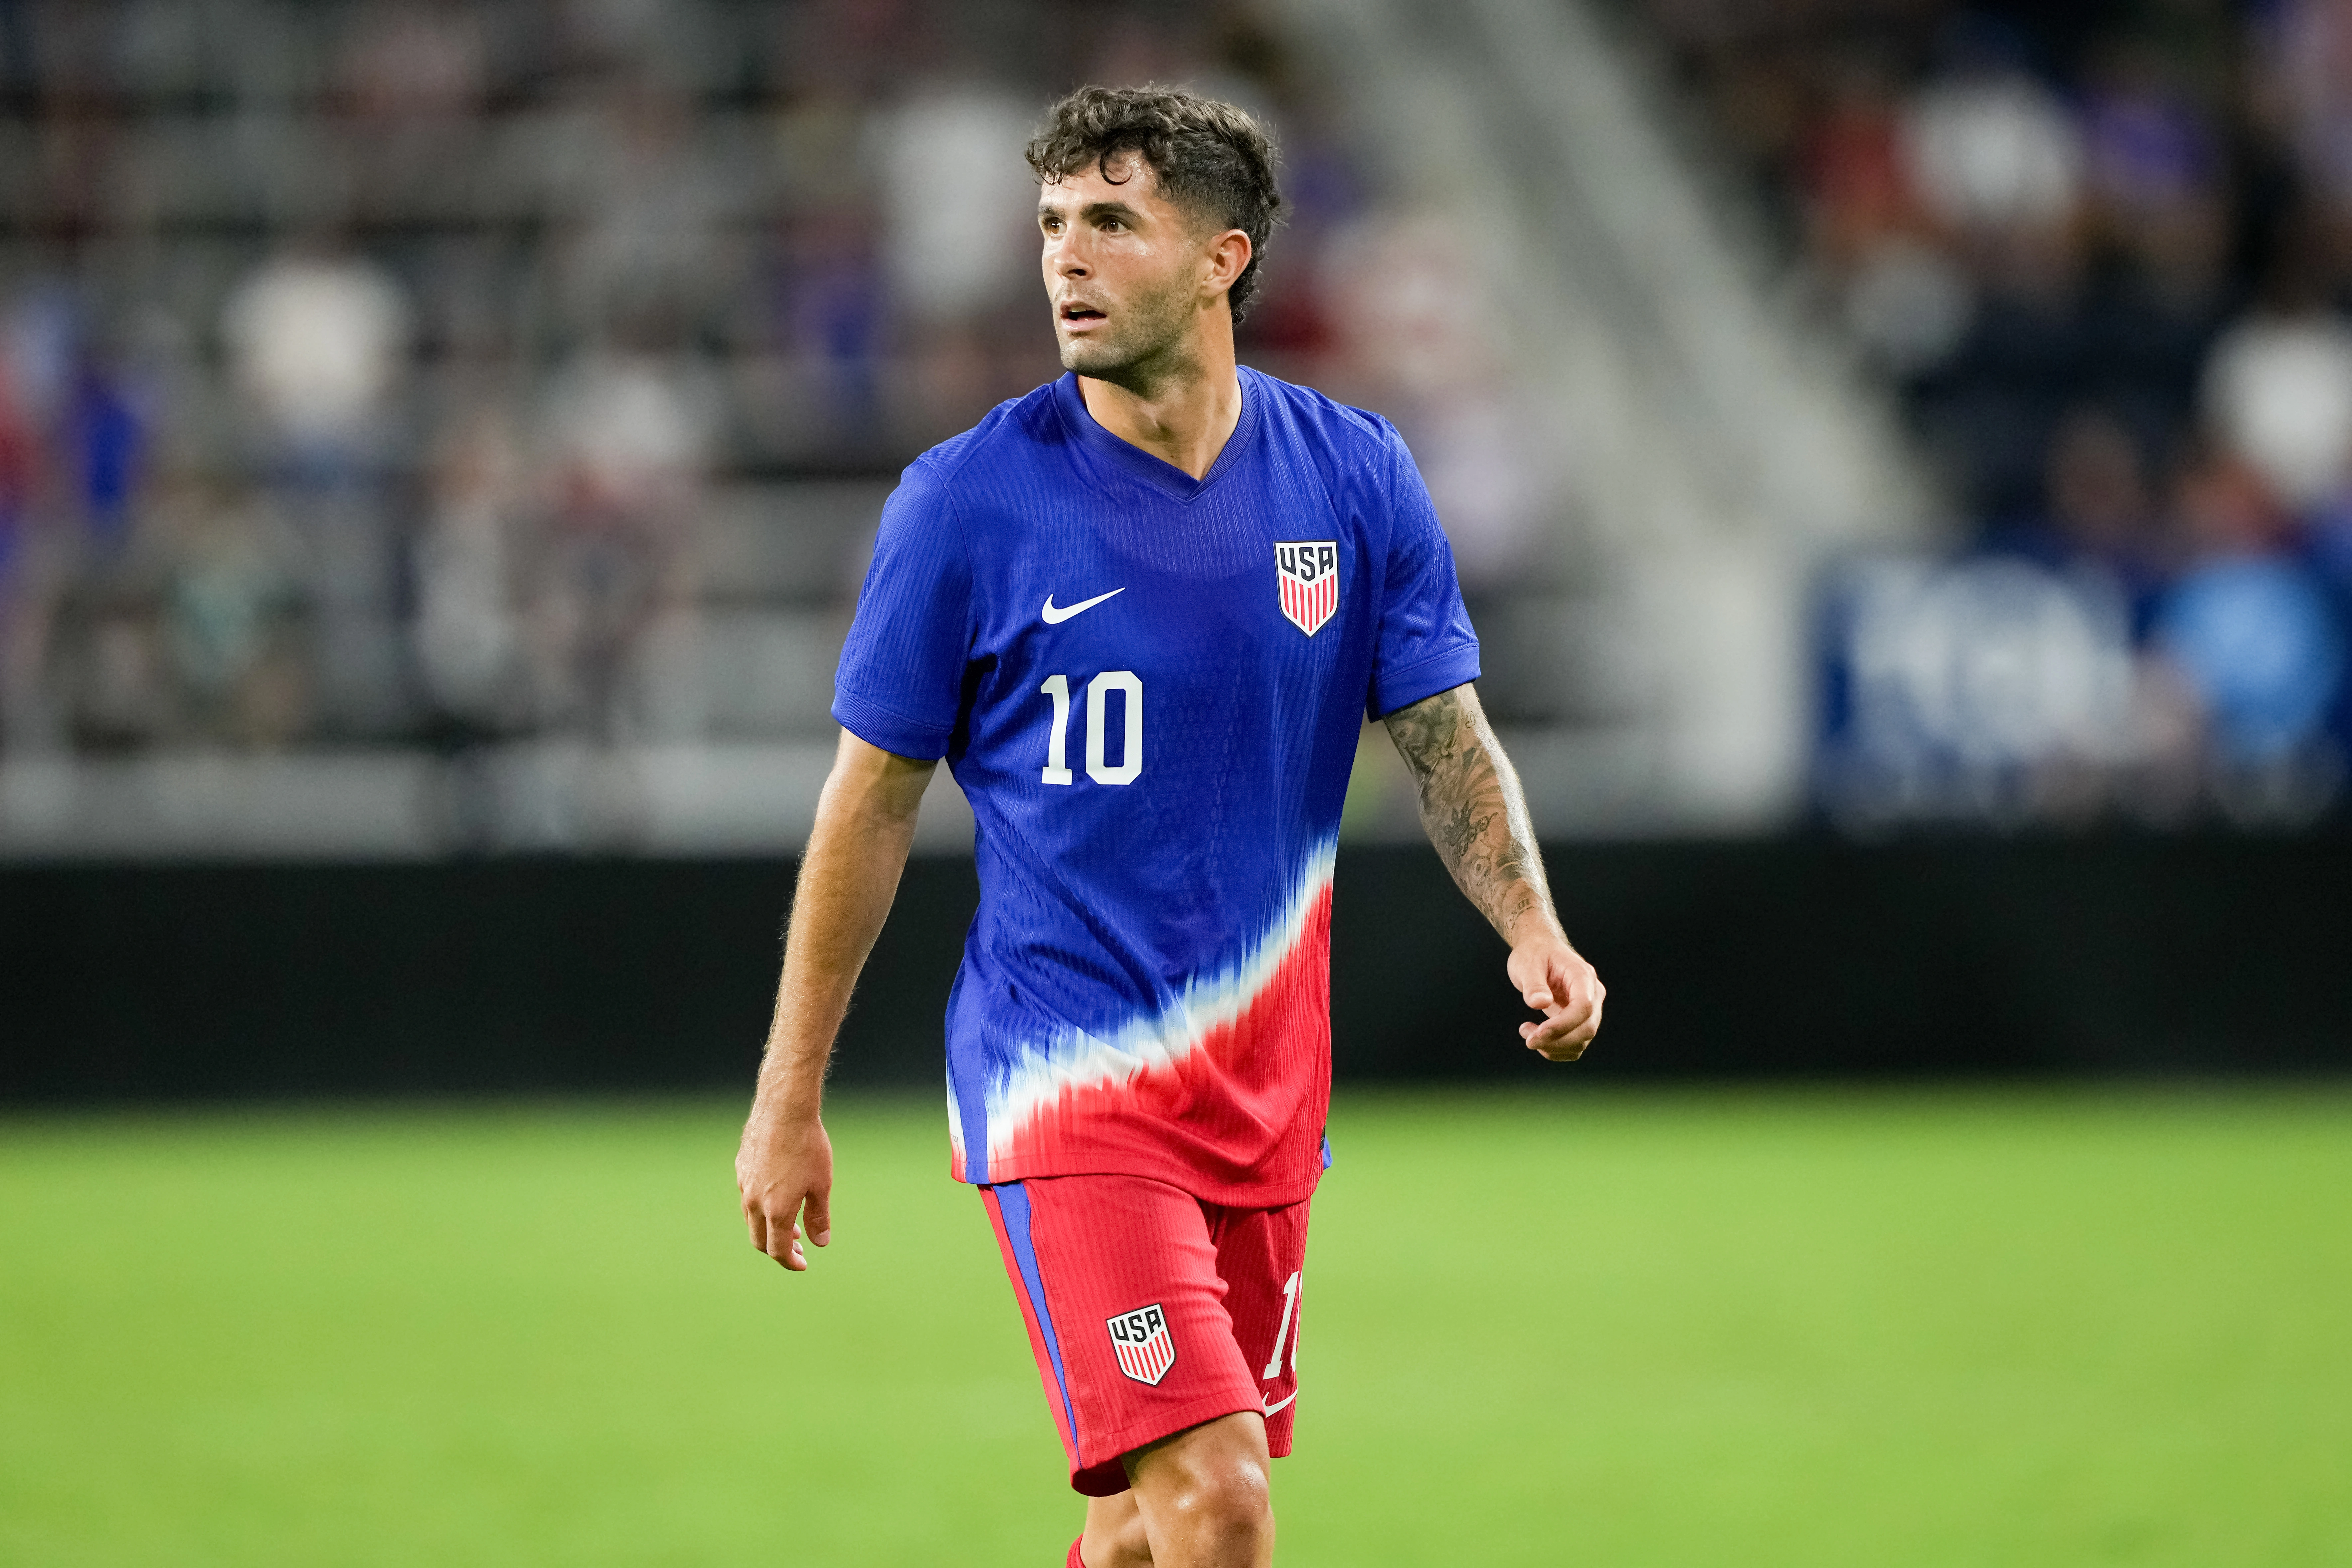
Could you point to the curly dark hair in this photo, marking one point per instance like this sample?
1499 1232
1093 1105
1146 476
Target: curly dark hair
1210 156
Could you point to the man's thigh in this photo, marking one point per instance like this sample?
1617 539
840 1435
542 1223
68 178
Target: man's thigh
1261 1257
1130 1313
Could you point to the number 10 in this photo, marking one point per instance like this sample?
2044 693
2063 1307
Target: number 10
1057 765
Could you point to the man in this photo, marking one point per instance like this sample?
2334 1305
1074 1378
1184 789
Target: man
1141 612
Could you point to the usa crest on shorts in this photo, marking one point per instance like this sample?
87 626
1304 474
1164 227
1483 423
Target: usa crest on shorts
1308 575
1140 1341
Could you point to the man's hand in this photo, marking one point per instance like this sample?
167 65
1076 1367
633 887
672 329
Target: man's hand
784 1170
1554 979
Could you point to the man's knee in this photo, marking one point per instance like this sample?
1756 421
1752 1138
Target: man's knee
1232 1500
1211 1483
1228 1488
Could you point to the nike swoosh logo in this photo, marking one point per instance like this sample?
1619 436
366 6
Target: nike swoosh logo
1277 1405
1055 617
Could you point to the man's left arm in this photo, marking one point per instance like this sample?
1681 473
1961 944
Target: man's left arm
1474 811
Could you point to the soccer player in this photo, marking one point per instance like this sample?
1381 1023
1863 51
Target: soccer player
1141 612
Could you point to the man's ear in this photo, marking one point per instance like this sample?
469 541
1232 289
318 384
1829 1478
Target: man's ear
1228 255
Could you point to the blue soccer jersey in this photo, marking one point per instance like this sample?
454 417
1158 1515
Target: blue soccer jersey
1151 689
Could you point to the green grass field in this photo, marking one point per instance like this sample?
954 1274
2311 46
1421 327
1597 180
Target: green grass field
1613 1328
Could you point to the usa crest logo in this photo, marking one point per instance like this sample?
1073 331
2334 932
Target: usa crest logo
1140 1341
1308 575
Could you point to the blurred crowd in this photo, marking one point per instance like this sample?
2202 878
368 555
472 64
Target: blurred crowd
2104 255
367 369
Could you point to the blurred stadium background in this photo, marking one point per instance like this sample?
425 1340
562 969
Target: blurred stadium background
1899 458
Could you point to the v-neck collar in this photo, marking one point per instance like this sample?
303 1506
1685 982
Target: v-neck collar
1156 472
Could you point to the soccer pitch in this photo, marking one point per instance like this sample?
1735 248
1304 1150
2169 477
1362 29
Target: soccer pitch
1618 1327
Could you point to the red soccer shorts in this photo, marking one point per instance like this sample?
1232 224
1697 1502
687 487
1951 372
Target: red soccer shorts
1150 1311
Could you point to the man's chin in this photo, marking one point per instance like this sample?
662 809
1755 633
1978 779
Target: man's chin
1094 359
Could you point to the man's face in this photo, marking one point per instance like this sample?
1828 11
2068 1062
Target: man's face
1124 267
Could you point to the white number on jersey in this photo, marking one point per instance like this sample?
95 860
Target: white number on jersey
1128 685
1282 1335
1058 770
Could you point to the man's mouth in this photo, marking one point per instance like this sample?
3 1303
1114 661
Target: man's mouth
1075 313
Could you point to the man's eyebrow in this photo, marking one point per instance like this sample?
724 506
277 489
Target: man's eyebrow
1092 211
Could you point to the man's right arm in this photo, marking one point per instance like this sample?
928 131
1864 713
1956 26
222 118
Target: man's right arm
856 851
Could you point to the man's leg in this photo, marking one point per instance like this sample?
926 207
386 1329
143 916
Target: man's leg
1199 1500
1118 1281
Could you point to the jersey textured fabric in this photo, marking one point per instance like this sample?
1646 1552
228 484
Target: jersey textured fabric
1149 1312
1156 748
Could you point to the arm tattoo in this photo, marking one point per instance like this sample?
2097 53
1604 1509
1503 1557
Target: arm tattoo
1472 808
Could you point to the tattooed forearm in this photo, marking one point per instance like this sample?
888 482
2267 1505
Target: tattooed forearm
1472 807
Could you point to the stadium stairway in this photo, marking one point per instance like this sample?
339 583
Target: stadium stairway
1717 446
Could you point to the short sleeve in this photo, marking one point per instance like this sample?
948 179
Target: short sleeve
1425 643
901 674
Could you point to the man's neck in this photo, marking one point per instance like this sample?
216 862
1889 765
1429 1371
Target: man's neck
1184 418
